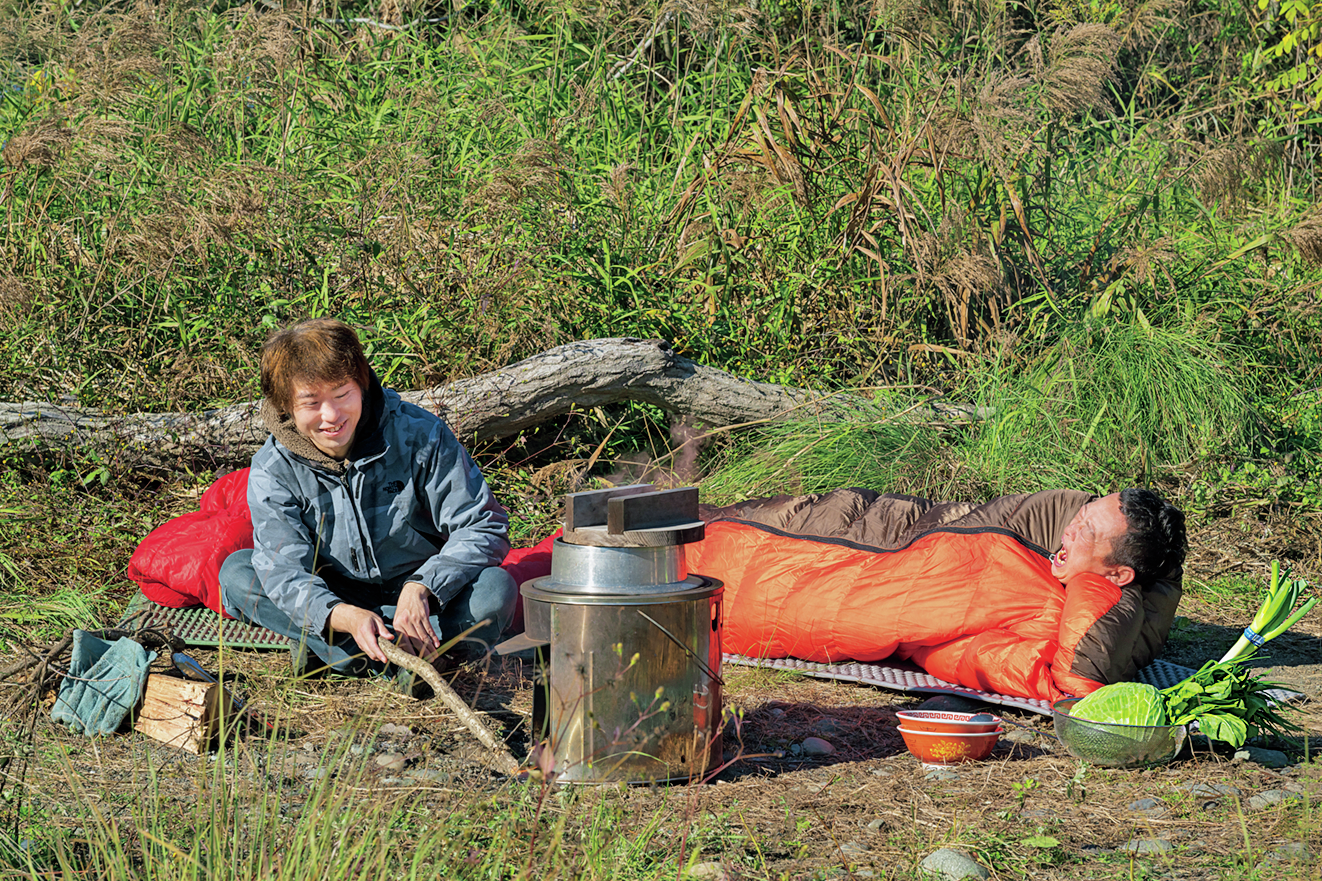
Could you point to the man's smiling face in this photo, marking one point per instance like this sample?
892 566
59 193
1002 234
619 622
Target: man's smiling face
328 415
1088 541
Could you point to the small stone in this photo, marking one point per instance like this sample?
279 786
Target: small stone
813 787
940 774
315 773
1290 852
709 871
427 775
1149 807
882 772
1268 758
357 750
1041 814
1208 790
391 762
390 729
1026 736
864 873
1146 845
853 849
777 712
1269 797
831 727
877 825
953 865
815 746
796 749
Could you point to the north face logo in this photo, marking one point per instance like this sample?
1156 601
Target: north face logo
394 486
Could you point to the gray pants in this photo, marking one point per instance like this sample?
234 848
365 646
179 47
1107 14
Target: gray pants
491 596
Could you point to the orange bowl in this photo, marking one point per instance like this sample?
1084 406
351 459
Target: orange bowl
943 720
944 748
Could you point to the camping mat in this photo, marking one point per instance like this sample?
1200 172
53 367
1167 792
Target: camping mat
200 626
901 676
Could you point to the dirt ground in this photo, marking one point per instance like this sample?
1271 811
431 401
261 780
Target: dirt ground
867 810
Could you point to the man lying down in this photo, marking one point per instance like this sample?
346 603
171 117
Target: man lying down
1040 595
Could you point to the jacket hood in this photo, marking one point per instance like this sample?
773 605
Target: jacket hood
368 439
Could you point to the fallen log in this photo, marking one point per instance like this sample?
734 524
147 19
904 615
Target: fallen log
502 403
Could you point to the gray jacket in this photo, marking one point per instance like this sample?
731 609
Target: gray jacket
407 504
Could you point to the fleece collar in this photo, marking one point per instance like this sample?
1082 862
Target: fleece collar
367 439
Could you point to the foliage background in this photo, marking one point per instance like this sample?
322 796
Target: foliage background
1095 222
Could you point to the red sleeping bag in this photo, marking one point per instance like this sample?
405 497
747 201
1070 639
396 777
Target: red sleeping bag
178 564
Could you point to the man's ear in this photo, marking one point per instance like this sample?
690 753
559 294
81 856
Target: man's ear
1121 575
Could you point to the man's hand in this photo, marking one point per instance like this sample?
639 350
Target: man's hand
413 619
364 626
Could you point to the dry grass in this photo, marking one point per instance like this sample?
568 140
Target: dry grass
1072 67
1306 237
1226 172
771 814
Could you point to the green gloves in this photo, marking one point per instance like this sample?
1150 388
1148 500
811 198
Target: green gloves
105 681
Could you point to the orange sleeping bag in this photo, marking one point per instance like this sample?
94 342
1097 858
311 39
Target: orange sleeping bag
978 607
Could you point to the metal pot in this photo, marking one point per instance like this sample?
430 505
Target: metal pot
630 686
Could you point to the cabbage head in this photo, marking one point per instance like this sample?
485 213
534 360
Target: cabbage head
1124 703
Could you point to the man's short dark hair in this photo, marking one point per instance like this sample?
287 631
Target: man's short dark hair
313 351
1154 544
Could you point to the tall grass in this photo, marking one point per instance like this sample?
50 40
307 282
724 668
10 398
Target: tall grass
1104 406
810 195
242 821
879 451
1107 403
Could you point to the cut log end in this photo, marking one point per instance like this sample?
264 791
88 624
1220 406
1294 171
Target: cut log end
184 714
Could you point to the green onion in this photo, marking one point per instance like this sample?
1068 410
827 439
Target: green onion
1274 617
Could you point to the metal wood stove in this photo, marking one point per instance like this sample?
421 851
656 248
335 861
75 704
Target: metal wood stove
629 683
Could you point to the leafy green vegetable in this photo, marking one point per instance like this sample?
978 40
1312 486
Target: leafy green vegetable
1228 702
1124 703
1274 618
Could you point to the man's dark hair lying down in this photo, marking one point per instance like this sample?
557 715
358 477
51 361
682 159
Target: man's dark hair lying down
1039 595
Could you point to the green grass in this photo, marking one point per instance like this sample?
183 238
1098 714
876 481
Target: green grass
479 192
1128 402
1106 406
881 449
341 826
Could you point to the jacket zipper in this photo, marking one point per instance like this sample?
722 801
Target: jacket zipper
362 539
